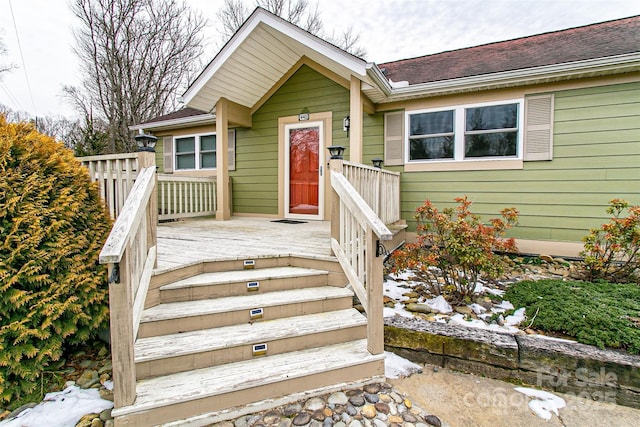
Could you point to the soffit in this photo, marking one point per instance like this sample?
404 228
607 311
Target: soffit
258 56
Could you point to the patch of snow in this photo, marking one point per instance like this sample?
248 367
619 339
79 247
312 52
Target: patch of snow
543 402
502 307
477 308
479 324
480 288
440 304
546 337
397 367
395 290
65 407
108 385
516 318
398 310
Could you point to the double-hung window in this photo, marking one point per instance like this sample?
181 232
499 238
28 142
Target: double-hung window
465 132
195 152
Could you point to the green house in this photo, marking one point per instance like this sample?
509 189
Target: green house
549 124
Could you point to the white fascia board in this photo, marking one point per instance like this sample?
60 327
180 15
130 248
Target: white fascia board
379 78
201 118
353 63
618 63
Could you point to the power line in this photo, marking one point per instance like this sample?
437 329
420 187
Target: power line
24 66
12 98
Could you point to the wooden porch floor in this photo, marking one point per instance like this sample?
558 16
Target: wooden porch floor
194 240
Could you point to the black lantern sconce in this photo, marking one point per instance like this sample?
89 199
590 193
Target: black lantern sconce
377 162
346 124
336 152
146 142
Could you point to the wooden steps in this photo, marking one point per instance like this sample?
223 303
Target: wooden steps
160 400
235 283
187 316
203 350
173 353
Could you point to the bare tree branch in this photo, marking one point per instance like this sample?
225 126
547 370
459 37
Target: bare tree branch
4 68
299 12
136 56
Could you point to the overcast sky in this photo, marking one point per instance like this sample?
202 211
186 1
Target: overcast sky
389 30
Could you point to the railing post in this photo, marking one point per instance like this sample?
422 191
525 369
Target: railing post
374 268
121 320
335 165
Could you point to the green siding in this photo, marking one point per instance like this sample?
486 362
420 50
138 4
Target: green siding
596 157
255 180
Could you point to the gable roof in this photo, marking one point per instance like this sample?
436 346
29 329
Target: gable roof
258 55
601 40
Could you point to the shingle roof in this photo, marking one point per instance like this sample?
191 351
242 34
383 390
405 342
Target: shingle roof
180 114
600 40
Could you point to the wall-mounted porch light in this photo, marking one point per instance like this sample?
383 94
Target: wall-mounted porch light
346 124
336 152
146 142
377 162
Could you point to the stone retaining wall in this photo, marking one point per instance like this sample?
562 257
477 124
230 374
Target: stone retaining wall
566 367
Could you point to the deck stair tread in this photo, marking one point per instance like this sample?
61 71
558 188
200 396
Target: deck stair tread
173 345
218 380
176 310
223 277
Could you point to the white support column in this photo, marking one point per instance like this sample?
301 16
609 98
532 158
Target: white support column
223 211
355 114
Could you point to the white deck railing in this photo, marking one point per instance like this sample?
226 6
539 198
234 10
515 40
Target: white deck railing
356 231
185 197
130 254
115 174
178 196
380 188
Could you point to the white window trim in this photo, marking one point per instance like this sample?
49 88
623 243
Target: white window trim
459 132
197 137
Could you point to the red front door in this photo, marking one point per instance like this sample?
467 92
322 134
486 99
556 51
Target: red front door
304 171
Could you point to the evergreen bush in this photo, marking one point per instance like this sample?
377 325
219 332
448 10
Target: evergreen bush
53 225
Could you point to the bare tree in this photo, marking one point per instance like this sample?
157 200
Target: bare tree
4 67
135 56
299 12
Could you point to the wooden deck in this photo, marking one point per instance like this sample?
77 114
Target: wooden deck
190 241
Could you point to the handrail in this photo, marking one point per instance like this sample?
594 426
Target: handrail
358 207
380 188
115 174
130 253
356 231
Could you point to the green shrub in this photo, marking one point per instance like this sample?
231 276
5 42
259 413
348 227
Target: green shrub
602 314
459 245
612 252
53 224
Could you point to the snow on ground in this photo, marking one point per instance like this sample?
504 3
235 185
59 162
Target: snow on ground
459 319
440 304
65 407
398 286
542 402
397 367
396 290
480 289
